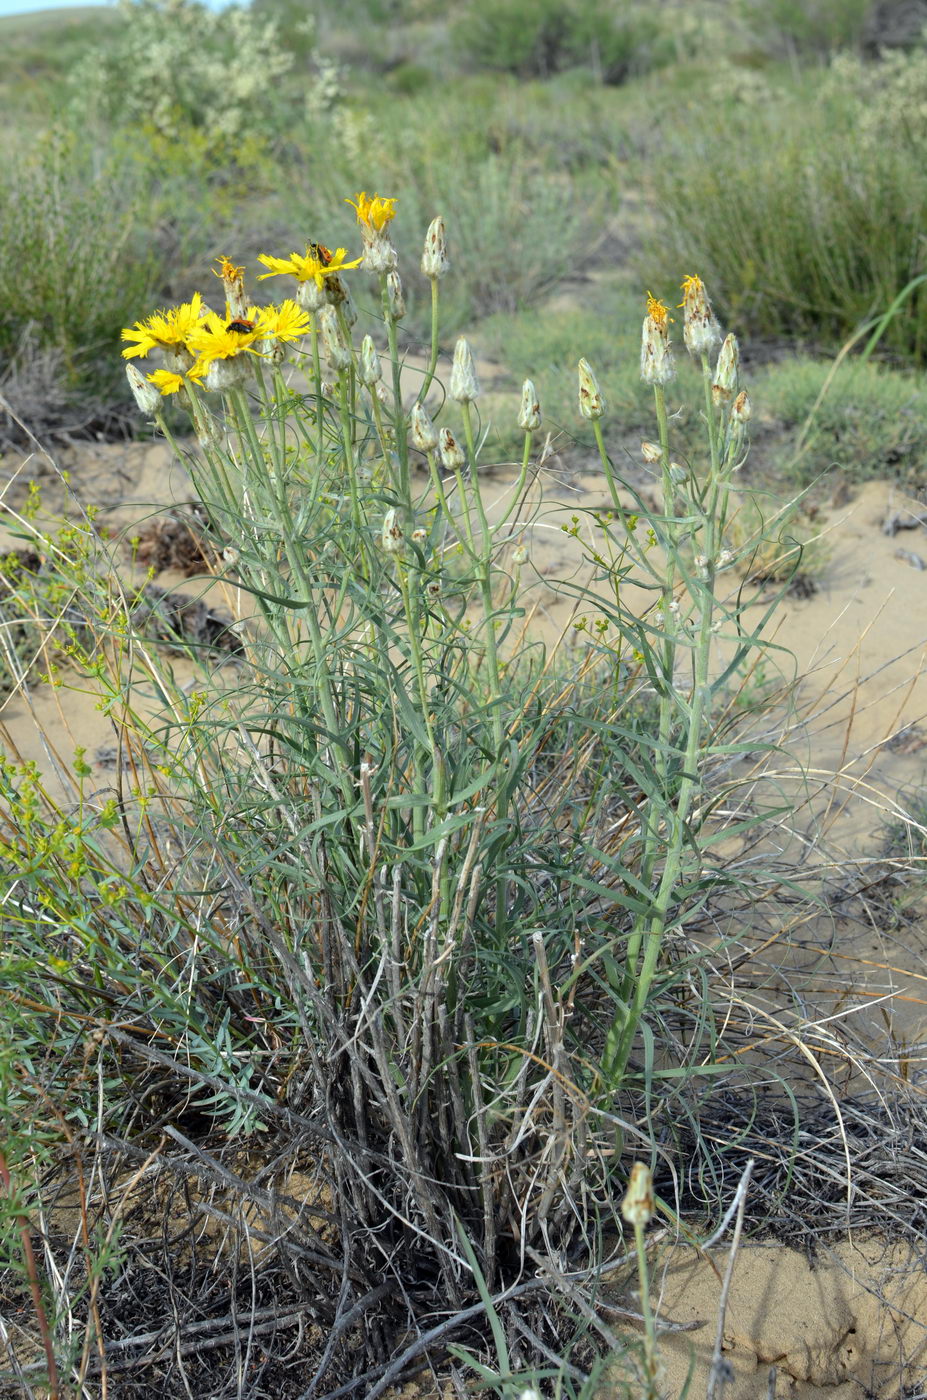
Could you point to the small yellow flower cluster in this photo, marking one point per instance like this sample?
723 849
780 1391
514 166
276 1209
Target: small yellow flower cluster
201 347
193 337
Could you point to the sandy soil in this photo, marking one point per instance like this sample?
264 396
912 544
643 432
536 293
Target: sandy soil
857 725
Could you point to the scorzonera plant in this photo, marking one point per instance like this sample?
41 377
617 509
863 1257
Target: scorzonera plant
389 869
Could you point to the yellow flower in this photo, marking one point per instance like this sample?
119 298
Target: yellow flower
702 332
657 311
284 323
169 383
317 264
227 269
165 330
374 214
216 339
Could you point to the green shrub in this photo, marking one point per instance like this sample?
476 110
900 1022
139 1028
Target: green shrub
808 28
799 227
870 422
537 38
224 72
512 36
74 265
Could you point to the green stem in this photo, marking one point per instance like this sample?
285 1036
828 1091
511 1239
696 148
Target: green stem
402 446
433 357
484 574
651 1387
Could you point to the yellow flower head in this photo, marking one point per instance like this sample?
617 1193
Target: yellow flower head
169 383
702 332
284 323
318 263
692 287
217 339
374 214
657 312
165 330
227 269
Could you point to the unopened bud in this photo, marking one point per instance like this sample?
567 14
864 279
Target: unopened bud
464 387
395 301
701 331
419 536
678 473
433 588
656 356
529 417
338 294
336 347
452 455
591 399
391 534
520 555
422 432
741 409
651 452
638 1207
146 395
369 371
434 258
725 559
724 384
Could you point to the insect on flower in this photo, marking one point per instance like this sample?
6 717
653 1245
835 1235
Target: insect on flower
242 327
319 251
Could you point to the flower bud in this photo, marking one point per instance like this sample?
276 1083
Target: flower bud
434 258
638 1206
656 356
591 399
391 534
651 452
339 295
520 555
336 347
678 473
741 410
452 456
395 301
419 536
422 432
701 331
464 386
529 417
725 379
146 395
370 371
433 589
